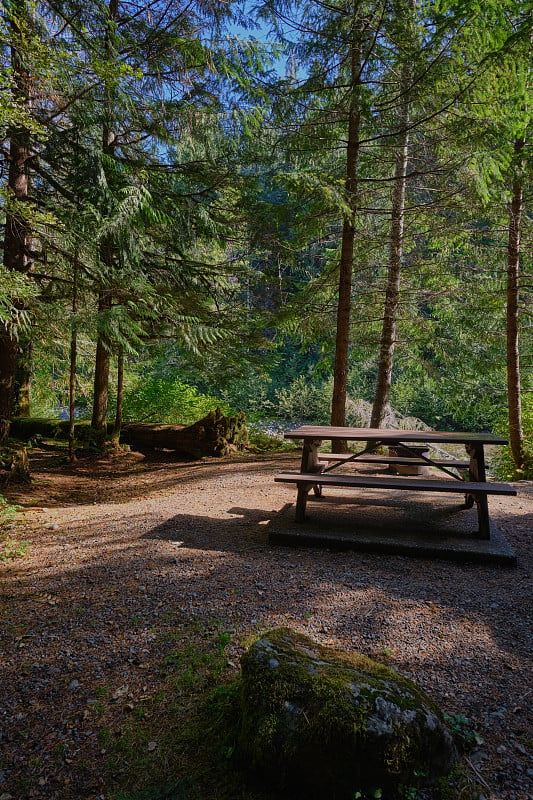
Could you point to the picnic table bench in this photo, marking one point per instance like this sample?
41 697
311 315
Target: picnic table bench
316 467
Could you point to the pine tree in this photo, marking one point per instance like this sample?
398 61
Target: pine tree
136 166
21 54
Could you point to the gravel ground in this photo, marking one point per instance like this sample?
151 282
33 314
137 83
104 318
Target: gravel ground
117 553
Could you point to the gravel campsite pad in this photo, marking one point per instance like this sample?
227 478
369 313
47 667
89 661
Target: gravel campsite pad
126 551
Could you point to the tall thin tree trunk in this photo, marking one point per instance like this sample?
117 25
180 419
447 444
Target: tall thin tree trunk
516 432
120 394
101 373
22 404
8 366
107 256
381 403
17 239
73 366
342 340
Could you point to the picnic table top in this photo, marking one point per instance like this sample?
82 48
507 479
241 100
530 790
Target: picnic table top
392 435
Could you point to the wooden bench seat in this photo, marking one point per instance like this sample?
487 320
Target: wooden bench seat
413 484
475 491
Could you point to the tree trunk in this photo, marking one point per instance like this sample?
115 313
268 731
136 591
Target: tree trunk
107 256
8 366
120 394
392 296
22 404
101 372
342 340
73 367
516 432
17 238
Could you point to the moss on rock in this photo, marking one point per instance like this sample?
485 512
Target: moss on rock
324 723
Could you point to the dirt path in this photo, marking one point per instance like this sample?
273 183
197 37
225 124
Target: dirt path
127 554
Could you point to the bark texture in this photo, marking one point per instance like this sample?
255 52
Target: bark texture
107 257
17 238
22 404
73 366
8 365
392 295
516 432
120 393
101 372
342 339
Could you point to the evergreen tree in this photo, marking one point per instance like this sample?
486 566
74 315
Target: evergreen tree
22 56
140 169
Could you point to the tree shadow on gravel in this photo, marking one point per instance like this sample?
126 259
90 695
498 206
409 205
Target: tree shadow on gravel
117 478
88 637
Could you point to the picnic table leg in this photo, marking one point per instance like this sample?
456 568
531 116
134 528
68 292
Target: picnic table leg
478 473
483 516
301 501
310 463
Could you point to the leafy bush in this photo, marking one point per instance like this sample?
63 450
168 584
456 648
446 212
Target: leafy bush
264 440
250 395
304 401
504 463
461 730
7 512
167 401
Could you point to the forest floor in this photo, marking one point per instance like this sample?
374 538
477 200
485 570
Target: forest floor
142 580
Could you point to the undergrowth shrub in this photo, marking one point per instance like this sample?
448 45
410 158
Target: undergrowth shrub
167 400
261 441
503 461
304 401
9 548
7 512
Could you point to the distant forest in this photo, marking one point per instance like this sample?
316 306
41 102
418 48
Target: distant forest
303 210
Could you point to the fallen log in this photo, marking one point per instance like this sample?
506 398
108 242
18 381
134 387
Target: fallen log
214 435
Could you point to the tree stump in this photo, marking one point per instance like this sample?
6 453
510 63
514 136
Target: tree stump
15 465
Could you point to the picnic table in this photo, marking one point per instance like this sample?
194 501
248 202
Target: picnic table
320 469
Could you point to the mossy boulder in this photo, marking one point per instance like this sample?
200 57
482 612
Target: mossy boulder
326 724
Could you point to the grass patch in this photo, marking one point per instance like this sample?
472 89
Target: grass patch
10 548
180 747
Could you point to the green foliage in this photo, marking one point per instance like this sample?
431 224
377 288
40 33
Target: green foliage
462 731
14 112
249 394
194 667
224 217
8 512
179 747
304 401
415 394
166 400
505 465
15 291
260 441
9 548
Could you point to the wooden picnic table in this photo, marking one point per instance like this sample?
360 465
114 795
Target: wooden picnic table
468 477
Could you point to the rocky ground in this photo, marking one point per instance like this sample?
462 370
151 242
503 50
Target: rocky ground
129 556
